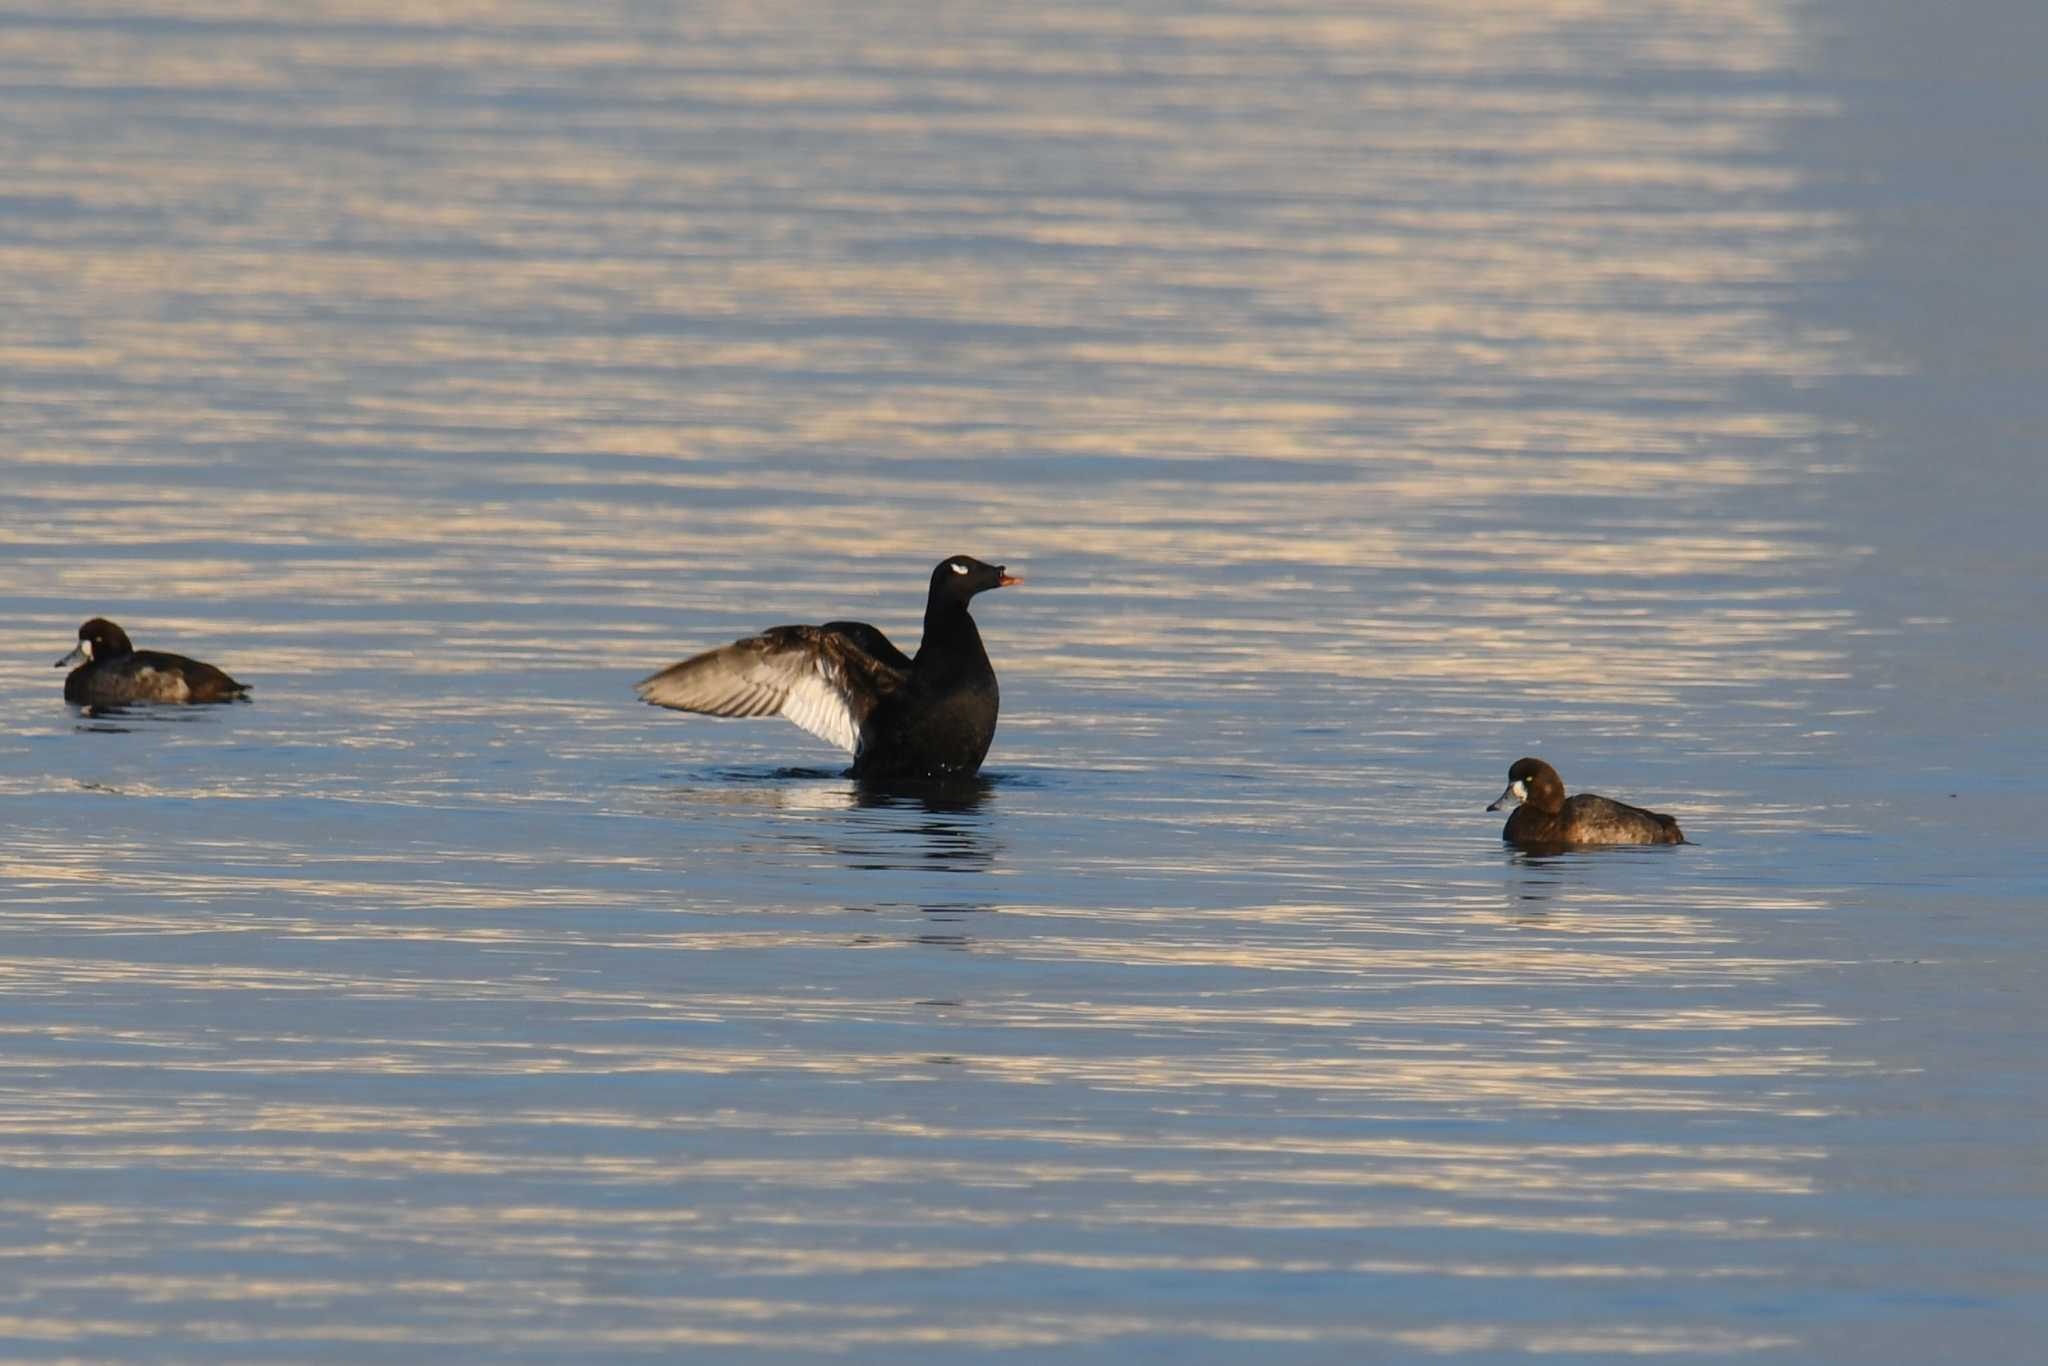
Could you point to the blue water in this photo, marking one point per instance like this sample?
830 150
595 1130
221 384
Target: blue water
1367 397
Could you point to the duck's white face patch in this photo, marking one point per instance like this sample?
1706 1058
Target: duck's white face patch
1520 789
959 568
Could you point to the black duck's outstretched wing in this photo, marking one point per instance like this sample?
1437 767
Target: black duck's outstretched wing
828 679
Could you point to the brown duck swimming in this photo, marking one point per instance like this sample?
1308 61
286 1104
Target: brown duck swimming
113 673
931 716
1545 817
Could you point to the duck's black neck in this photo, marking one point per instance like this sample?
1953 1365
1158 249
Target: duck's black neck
952 646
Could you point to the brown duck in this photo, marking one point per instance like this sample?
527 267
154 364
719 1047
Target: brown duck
1545 817
111 672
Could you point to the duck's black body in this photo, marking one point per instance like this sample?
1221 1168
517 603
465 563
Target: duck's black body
931 716
116 674
940 720
1546 818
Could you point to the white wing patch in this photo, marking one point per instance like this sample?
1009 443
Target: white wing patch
821 709
821 678
162 685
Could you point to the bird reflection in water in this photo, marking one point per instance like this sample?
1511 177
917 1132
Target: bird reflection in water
940 821
125 718
1535 878
900 827
1544 884
928 939
934 826
924 825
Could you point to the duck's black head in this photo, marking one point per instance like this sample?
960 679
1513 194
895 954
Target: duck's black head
1534 782
960 577
98 639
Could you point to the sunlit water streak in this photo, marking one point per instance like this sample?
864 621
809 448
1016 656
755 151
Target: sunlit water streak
1367 398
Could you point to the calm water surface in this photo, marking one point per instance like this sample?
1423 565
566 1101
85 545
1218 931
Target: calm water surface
1369 395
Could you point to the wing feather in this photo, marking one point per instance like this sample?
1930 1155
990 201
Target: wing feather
827 679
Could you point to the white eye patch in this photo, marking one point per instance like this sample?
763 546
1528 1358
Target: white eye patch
959 568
